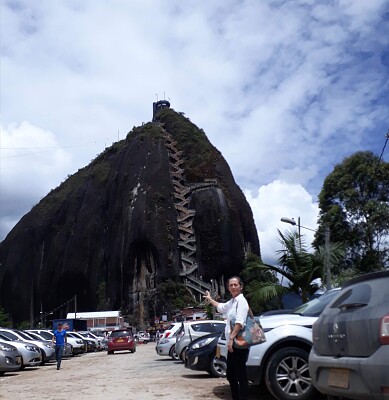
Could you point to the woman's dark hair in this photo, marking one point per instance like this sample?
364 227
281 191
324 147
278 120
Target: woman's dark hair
237 278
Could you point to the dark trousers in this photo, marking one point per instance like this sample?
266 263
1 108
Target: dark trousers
237 374
58 354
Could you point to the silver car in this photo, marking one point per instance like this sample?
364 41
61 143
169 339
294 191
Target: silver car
46 348
350 353
10 358
78 346
191 330
30 354
67 351
167 347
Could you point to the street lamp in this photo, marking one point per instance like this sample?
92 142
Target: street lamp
327 263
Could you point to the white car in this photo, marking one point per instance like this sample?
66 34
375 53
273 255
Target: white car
67 350
167 347
282 361
90 336
46 348
191 330
171 330
78 346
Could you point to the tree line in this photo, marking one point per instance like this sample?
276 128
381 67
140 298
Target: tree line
354 208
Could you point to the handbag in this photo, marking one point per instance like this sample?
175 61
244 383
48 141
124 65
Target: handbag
251 335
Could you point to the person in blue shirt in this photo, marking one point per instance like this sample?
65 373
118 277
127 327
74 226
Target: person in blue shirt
60 339
235 310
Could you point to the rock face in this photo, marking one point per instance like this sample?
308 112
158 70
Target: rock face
160 204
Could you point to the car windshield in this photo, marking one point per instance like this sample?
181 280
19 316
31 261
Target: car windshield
46 335
25 335
120 334
35 336
316 306
11 335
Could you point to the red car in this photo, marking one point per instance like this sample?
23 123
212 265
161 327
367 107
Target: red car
121 339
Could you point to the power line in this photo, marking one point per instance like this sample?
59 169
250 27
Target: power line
37 152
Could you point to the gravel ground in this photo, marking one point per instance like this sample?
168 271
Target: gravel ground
143 375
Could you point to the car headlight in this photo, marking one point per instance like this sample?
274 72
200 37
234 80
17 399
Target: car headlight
163 341
79 341
5 347
49 346
31 348
202 343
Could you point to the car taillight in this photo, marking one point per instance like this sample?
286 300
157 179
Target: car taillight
167 334
384 332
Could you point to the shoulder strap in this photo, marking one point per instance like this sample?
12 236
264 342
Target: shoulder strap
249 312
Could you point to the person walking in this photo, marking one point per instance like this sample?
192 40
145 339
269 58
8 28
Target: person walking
235 310
59 337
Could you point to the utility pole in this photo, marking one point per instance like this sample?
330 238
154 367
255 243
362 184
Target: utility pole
327 262
42 317
75 306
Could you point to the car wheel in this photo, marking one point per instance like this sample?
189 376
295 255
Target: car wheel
182 355
217 368
173 354
133 350
110 352
43 362
287 375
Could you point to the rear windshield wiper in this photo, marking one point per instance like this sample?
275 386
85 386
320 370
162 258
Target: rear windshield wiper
346 306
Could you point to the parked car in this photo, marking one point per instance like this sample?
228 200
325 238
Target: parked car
350 354
46 348
191 330
78 346
282 361
170 330
90 336
90 345
121 339
67 351
201 353
167 345
30 354
142 336
10 358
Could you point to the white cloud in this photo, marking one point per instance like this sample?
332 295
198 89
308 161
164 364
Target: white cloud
284 90
31 164
274 201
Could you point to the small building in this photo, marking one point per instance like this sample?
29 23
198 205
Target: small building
190 314
159 105
100 320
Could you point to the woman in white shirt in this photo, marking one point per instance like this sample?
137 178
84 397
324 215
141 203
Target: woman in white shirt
235 310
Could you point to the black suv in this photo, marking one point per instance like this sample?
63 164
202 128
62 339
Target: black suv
350 354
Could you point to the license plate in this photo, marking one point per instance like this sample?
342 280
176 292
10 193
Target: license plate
338 377
120 340
217 352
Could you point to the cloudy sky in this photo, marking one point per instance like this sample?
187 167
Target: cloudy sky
284 89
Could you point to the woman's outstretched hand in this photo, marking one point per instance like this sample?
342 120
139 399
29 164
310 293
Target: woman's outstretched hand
207 296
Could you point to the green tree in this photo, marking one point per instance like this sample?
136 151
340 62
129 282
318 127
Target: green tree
4 319
257 281
354 204
299 266
171 295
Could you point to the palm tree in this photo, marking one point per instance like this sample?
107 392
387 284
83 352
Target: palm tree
297 265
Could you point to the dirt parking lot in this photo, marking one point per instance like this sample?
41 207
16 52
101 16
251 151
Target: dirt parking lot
143 375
